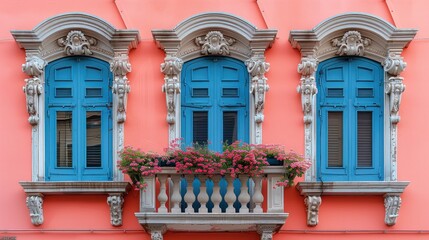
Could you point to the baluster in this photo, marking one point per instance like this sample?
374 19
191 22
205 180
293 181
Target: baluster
176 197
258 198
230 196
203 197
244 196
162 197
216 197
189 196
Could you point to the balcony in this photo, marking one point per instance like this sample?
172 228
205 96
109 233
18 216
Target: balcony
193 203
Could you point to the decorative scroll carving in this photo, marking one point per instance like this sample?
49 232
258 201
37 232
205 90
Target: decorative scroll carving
115 202
120 67
351 44
307 88
257 68
214 43
35 205
392 203
395 88
313 204
76 43
33 67
171 68
394 64
156 231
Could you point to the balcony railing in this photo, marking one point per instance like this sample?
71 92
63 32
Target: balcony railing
198 204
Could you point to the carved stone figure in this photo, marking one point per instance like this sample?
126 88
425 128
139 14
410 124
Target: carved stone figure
171 68
35 205
115 202
120 67
76 43
214 43
392 203
313 205
351 44
33 67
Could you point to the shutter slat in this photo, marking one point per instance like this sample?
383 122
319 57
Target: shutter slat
229 127
335 139
200 127
364 130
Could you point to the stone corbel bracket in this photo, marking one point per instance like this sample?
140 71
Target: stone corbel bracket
120 66
171 68
37 190
33 67
313 192
394 65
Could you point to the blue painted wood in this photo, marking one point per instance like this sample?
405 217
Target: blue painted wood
350 85
84 85
214 85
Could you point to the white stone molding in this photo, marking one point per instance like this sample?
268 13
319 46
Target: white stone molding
392 203
351 44
171 68
33 67
115 201
35 206
76 43
73 34
213 34
120 67
214 44
312 204
352 34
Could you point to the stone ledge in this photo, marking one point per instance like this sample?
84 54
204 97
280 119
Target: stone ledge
212 222
52 188
351 188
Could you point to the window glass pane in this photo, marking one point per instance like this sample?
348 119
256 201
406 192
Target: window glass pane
93 139
229 127
64 139
335 139
364 139
200 127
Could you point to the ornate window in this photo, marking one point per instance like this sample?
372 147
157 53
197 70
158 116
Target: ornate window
365 38
55 105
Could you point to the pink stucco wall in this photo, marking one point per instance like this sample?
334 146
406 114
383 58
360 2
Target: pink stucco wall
146 126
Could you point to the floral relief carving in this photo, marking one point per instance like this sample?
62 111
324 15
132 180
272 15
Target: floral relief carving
351 44
33 86
214 43
120 67
35 205
257 69
392 204
171 68
395 88
76 43
115 202
313 204
394 64
307 88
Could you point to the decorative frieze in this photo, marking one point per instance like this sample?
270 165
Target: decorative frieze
33 67
392 203
120 67
76 43
115 202
351 44
35 206
313 204
214 43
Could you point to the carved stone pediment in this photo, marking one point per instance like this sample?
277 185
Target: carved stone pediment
351 44
77 44
214 43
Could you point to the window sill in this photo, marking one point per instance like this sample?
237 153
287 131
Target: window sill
391 191
37 190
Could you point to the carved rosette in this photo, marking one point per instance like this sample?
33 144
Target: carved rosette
171 68
392 203
120 67
307 88
351 44
313 204
35 206
76 43
214 43
115 202
33 67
